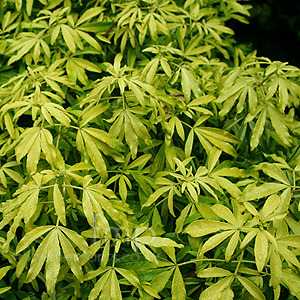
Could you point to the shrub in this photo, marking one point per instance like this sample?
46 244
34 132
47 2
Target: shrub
144 155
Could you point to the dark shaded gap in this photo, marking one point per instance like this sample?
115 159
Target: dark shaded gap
274 30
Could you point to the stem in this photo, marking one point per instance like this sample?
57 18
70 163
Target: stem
46 187
294 180
114 259
124 102
239 262
73 186
266 78
218 260
58 137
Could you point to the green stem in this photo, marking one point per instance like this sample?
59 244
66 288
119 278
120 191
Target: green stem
239 262
73 186
217 260
266 78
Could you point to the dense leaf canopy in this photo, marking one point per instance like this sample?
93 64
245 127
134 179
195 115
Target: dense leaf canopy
144 155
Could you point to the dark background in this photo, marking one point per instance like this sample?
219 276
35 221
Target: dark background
274 29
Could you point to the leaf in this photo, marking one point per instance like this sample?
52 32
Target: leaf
292 281
139 128
99 203
227 294
32 236
225 213
105 254
39 257
279 125
57 112
100 284
275 172
214 156
159 282
114 287
4 289
215 240
261 250
132 279
147 253
142 160
91 142
263 190
203 227
77 239
89 14
93 111
213 272
290 240
249 237
214 291
276 269
131 137
180 220
52 262
59 204
153 197
3 271
270 205
70 256
231 188
68 37
156 241
29 145
253 289
258 129
216 137
232 246
178 287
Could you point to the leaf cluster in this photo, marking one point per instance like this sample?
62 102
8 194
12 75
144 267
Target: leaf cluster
144 155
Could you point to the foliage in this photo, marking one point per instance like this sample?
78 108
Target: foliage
144 155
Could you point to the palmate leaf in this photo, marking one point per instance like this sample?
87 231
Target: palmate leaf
144 236
239 91
224 170
127 124
210 137
6 169
189 84
76 69
201 228
23 206
108 287
28 42
218 138
96 199
279 122
31 142
92 142
53 110
49 250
